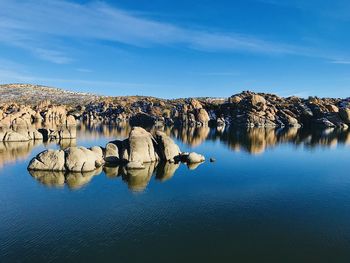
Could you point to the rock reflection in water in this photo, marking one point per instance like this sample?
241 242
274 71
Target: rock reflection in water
257 140
136 179
165 171
11 152
59 179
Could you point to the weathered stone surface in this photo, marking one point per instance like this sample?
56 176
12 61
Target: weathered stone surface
98 151
168 150
195 158
141 146
81 159
49 160
112 153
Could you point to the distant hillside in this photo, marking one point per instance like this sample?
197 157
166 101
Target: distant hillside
33 94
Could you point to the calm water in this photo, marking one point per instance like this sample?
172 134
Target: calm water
271 196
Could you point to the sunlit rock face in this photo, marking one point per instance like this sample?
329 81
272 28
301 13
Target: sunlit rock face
167 149
73 159
141 147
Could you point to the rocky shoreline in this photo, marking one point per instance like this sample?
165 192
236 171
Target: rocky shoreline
246 109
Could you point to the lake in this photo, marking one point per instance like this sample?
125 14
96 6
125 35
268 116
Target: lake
270 196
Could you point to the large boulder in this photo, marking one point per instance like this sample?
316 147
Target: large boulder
49 160
81 159
167 148
258 102
112 153
141 147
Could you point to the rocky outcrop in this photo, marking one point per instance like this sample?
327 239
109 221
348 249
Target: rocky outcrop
73 159
141 147
50 160
134 153
167 148
246 109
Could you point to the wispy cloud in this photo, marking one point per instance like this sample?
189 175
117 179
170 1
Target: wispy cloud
345 62
36 24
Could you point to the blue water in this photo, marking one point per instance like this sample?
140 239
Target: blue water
288 201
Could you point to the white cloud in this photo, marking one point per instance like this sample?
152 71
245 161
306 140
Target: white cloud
345 62
37 25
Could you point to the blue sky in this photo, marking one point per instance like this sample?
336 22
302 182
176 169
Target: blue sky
178 48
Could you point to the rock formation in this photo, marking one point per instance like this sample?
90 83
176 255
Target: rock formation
140 149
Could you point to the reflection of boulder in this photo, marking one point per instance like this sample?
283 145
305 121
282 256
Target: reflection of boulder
13 151
66 143
49 178
166 170
142 119
76 180
193 166
138 179
112 171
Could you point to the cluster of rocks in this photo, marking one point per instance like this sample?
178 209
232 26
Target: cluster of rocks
246 109
135 152
267 110
145 112
43 122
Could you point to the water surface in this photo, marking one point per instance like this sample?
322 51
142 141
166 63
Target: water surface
271 196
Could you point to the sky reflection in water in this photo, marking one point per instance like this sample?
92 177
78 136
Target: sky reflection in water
271 196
